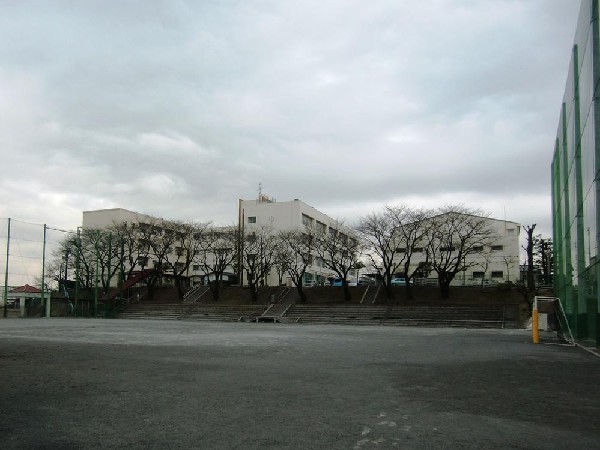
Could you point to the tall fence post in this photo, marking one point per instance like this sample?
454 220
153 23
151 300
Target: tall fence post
6 270
77 250
45 302
108 275
96 275
535 322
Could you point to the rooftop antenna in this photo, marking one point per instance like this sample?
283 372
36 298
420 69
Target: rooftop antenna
259 190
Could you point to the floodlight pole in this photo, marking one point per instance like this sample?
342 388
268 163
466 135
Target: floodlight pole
77 260
108 275
6 270
45 304
96 275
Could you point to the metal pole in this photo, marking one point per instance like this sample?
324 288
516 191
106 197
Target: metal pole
95 312
44 302
77 250
121 268
535 324
108 275
6 269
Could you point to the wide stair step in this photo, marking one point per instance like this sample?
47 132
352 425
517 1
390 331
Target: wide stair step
181 311
447 316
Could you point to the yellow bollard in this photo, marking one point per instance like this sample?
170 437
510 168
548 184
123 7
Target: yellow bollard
535 327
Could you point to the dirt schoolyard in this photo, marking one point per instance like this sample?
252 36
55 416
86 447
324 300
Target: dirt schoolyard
83 383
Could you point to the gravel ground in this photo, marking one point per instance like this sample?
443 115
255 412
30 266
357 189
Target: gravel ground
136 384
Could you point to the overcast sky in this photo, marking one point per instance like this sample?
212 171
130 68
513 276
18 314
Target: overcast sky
179 108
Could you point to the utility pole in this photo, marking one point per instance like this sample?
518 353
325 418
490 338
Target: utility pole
6 270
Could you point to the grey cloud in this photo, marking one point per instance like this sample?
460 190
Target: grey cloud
179 108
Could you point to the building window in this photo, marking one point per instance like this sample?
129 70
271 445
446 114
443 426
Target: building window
143 261
510 232
417 249
196 267
251 219
321 227
401 250
497 274
478 248
496 248
478 275
307 220
144 245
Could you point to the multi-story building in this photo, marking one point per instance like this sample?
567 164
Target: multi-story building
261 212
290 215
494 262
147 258
575 185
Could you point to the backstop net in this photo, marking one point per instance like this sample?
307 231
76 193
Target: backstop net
33 264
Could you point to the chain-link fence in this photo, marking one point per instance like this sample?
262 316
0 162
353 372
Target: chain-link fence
37 270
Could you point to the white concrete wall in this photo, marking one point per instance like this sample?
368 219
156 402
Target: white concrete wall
284 216
508 237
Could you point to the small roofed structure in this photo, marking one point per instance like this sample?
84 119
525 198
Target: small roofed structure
25 296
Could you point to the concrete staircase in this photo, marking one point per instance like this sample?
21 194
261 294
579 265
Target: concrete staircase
471 316
186 311
336 314
164 311
195 294
475 316
466 316
224 313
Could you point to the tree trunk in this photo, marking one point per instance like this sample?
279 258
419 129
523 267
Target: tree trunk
179 287
389 292
301 293
253 293
214 289
347 293
445 289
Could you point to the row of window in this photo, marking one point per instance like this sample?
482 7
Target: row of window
320 227
494 274
143 262
479 248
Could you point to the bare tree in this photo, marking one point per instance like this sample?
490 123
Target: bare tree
457 232
281 259
295 249
509 263
104 249
134 249
182 241
339 252
153 244
543 258
529 250
257 253
483 260
413 225
217 253
392 236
